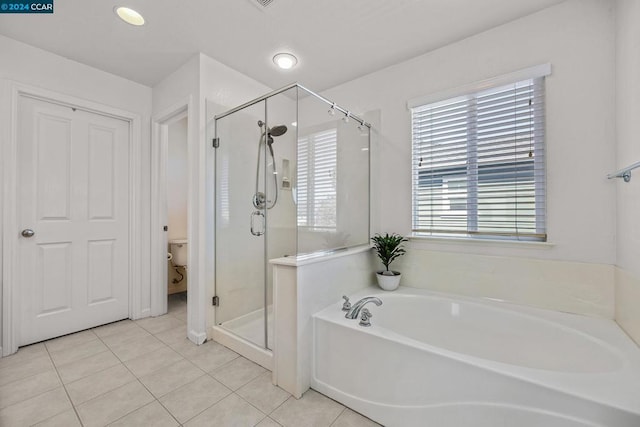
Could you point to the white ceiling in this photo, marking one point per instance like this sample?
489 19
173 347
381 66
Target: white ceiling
335 40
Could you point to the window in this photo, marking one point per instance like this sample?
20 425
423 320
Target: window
316 192
478 164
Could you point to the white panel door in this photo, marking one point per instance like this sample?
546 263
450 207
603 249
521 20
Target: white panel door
73 193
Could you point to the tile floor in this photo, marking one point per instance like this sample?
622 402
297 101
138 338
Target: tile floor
145 373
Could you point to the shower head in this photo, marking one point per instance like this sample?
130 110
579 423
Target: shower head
278 130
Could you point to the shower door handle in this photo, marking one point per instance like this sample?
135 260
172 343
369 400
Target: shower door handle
260 231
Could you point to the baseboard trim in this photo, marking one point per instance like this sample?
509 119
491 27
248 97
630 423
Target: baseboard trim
197 337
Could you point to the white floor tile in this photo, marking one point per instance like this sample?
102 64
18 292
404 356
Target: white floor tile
237 373
122 374
155 325
114 405
180 315
153 361
25 369
137 347
188 349
28 387
36 409
89 365
67 418
74 352
189 400
116 328
70 341
214 357
152 415
99 383
173 336
132 333
262 394
349 418
166 380
24 354
231 411
267 422
312 409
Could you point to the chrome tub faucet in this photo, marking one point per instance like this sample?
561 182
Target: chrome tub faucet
354 311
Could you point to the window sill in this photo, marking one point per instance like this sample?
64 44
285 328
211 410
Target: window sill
465 241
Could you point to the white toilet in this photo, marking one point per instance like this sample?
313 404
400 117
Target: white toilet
178 248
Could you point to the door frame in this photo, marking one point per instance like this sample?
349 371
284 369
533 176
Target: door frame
10 292
159 218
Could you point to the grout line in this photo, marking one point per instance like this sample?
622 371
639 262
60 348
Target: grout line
155 399
96 372
29 358
149 391
34 396
158 399
280 405
106 392
167 409
210 406
267 413
31 374
341 412
64 387
251 404
48 353
222 366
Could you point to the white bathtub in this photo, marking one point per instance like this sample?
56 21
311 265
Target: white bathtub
438 360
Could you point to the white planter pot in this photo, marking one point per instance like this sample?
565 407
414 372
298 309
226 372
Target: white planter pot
388 282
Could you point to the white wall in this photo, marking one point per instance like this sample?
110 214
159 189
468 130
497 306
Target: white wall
177 180
221 88
177 87
627 153
31 66
211 88
577 38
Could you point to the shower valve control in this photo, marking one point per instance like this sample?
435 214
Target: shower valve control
364 319
346 306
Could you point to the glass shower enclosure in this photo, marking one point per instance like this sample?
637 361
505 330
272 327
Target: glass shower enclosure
291 179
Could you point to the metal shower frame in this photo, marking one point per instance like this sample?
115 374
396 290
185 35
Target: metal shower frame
333 105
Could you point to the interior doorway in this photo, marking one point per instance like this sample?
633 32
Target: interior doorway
170 212
71 219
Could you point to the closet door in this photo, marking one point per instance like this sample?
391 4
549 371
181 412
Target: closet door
73 213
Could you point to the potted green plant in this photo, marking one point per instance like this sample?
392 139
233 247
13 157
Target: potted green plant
388 247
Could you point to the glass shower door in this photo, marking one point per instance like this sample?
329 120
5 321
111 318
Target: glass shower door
241 224
255 211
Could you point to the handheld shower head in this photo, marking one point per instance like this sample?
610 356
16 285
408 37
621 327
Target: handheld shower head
278 130
266 138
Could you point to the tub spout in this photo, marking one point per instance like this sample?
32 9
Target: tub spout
354 312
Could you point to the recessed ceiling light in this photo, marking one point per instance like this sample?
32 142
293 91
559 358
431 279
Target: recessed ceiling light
129 16
285 60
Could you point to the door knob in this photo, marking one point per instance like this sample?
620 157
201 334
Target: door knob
27 232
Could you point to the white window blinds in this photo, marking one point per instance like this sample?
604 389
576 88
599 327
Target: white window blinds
316 192
479 164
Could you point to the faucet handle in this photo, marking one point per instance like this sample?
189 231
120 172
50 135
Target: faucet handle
365 316
346 306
